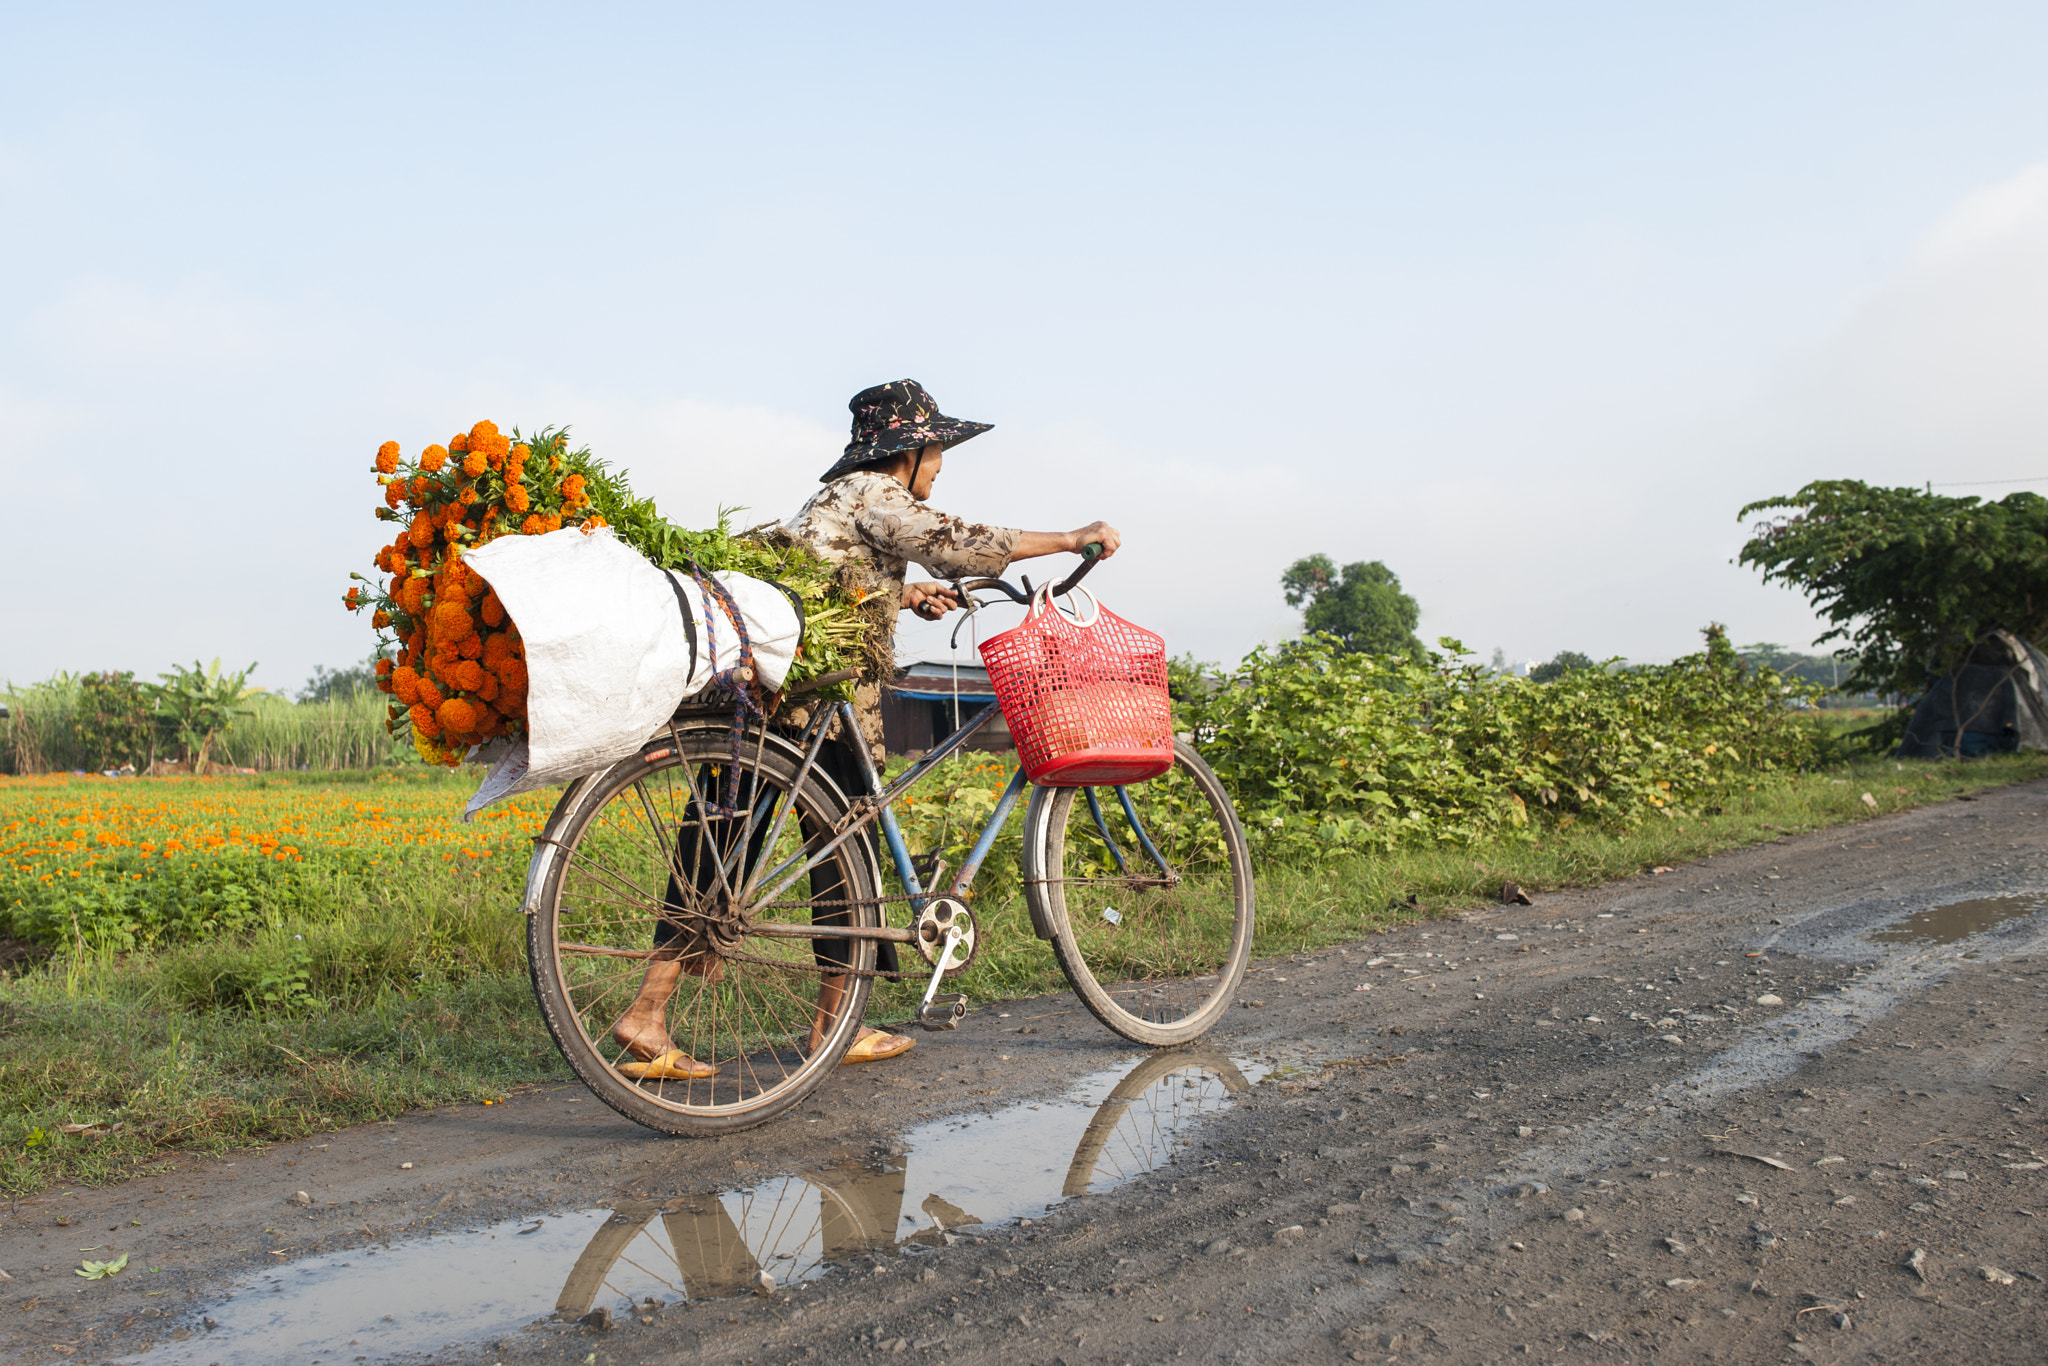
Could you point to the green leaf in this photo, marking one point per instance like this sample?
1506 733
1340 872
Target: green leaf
99 1271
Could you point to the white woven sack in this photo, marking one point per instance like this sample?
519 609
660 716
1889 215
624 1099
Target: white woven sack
608 658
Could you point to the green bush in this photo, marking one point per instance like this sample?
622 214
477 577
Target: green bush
1327 751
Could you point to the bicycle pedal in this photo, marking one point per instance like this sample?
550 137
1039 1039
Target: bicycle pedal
943 1011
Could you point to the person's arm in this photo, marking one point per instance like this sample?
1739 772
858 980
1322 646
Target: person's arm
1032 544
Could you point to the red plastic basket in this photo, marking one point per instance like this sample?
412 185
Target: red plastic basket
1085 698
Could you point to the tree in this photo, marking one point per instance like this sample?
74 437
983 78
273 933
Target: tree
198 706
1910 579
1363 606
1562 663
110 720
335 685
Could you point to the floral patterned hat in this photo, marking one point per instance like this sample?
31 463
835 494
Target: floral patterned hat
899 416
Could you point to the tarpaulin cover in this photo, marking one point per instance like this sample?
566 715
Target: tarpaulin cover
608 657
1992 702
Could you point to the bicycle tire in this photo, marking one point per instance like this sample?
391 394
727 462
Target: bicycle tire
602 849
1128 963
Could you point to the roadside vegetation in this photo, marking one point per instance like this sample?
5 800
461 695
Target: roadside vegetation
324 949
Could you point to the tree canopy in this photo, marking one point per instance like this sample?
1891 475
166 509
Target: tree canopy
1564 662
1909 579
1362 605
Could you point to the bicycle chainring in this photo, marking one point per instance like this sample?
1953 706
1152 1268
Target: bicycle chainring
940 914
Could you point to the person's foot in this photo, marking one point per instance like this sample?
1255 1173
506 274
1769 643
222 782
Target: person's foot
873 1045
645 1037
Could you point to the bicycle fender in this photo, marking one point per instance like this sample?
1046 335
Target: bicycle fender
1034 862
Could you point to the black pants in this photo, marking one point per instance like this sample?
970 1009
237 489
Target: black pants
837 761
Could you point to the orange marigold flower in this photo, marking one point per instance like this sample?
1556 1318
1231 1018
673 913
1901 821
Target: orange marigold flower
380 618
457 717
493 611
482 431
512 673
592 523
466 674
458 443
490 687
387 458
405 684
533 526
423 720
474 463
430 694
394 493
382 668
469 648
433 457
554 521
470 496
422 488
572 488
497 646
517 499
451 620
352 598
422 531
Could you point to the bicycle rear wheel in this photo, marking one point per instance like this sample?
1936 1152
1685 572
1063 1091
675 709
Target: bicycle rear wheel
1146 893
637 873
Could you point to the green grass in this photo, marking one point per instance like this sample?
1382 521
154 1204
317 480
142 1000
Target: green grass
412 992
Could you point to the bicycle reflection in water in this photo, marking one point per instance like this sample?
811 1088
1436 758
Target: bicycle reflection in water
792 1227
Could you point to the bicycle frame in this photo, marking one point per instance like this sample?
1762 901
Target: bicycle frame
877 806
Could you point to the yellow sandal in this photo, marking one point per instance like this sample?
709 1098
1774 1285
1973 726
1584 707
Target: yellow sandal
674 1065
873 1045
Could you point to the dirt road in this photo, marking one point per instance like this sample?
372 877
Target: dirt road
1766 1107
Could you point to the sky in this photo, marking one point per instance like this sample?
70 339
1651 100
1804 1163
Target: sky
1525 301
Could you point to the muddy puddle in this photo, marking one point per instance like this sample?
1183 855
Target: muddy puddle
1958 920
941 1181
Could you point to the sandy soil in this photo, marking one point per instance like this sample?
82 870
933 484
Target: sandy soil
1697 1115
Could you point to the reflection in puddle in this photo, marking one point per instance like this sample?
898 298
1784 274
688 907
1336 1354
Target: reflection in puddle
1959 919
418 1296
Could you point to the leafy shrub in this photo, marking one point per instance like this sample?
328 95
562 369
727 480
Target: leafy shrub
1328 751
111 721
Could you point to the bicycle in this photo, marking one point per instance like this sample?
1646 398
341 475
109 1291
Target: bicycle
668 856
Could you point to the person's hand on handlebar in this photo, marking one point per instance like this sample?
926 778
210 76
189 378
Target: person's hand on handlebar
929 600
1032 544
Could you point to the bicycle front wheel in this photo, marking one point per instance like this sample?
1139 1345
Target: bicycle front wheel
1146 893
643 928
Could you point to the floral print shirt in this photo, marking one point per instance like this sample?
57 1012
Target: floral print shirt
873 529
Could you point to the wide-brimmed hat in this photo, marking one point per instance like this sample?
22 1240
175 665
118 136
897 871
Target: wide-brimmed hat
898 416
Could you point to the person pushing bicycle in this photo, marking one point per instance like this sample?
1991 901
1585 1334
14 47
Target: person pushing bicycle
871 520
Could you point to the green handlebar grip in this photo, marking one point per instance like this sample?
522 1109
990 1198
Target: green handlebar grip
1092 551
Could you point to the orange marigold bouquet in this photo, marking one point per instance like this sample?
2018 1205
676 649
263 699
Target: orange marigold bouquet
448 655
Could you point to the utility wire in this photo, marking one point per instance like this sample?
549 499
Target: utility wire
1979 483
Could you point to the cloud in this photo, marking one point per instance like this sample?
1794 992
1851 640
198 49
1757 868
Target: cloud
1937 373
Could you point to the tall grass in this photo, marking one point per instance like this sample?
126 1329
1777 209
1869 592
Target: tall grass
346 733
37 736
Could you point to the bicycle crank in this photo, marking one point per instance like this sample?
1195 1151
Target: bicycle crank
942 913
943 1010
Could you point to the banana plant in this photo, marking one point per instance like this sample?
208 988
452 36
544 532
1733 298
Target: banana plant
199 705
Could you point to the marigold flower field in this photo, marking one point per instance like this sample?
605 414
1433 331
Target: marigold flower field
128 863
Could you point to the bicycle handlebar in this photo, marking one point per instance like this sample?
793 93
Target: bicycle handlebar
1091 554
